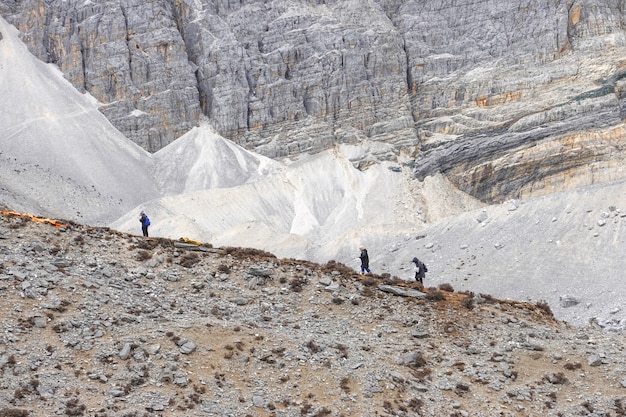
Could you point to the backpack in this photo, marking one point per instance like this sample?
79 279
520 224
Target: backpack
425 267
147 221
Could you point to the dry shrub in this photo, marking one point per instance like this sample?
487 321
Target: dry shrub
338 300
345 384
343 350
435 295
468 301
369 281
20 393
389 280
415 404
62 307
322 412
419 361
279 351
220 379
446 287
587 406
488 298
344 271
13 412
421 374
572 366
189 259
306 409
223 269
143 255
297 284
215 310
74 408
247 253
313 347
368 292
147 244
543 305
557 378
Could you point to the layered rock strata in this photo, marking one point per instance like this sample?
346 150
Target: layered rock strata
466 86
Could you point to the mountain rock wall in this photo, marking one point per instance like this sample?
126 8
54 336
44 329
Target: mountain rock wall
507 99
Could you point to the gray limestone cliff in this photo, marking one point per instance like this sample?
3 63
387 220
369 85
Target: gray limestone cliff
507 99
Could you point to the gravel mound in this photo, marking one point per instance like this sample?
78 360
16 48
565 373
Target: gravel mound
103 323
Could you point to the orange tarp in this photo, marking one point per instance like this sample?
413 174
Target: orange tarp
33 218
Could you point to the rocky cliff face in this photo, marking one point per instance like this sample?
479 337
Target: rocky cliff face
507 99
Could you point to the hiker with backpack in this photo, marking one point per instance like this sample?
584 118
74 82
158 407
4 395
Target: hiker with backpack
420 270
365 260
145 222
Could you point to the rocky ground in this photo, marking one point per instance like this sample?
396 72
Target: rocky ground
101 323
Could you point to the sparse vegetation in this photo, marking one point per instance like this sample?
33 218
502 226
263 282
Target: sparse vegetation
418 361
189 259
572 366
389 280
241 253
545 307
345 384
461 388
147 244
555 378
619 408
435 295
73 407
338 300
313 347
369 281
343 270
322 412
488 298
303 330
343 350
62 307
306 409
297 284
13 412
415 404
143 255
587 406
468 301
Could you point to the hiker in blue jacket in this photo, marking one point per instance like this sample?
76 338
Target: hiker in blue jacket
145 222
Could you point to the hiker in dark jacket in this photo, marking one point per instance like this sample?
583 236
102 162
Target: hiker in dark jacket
365 260
420 270
145 222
